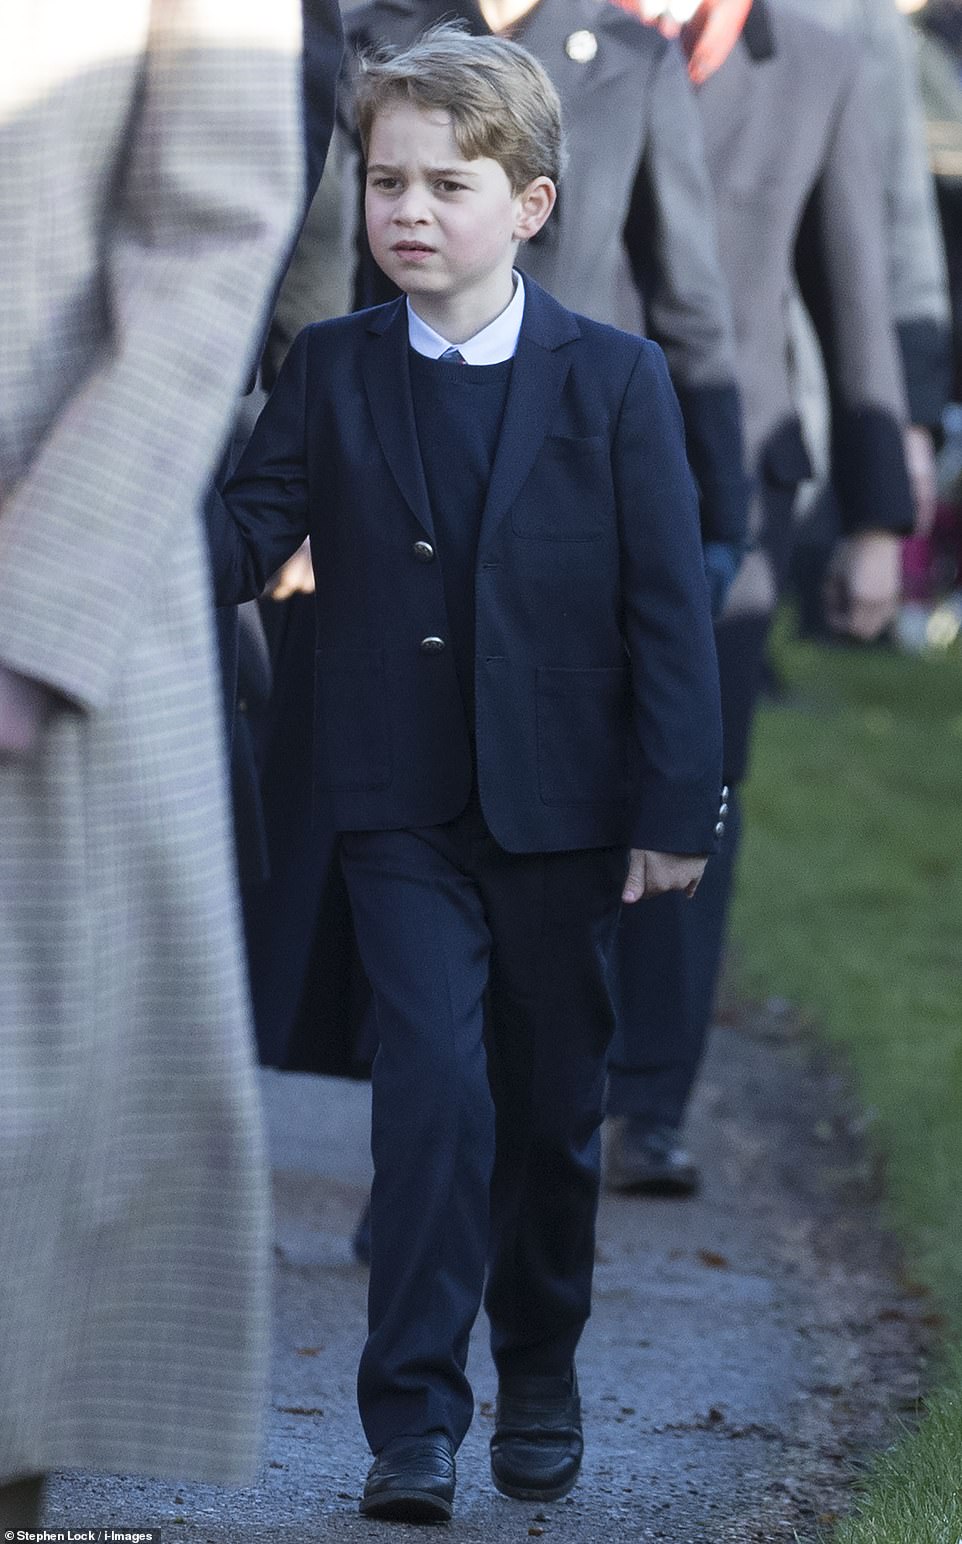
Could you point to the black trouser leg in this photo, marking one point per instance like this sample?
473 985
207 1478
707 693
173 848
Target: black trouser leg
425 945
550 1021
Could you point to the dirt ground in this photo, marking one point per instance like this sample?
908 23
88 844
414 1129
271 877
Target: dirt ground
749 1348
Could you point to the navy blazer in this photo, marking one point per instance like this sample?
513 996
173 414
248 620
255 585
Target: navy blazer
597 711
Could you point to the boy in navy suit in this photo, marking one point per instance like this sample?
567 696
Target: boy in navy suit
517 726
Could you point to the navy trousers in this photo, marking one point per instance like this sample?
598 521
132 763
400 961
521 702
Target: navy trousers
489 978
668 952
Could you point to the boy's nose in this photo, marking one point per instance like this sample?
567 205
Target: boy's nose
411 208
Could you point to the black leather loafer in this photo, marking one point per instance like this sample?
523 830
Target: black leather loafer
412 1481
646 1160
537 1444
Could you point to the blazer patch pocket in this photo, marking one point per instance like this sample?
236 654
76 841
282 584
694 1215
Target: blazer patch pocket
575 491
583 719
351 724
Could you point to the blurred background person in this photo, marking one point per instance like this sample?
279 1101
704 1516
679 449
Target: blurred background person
150 172
918 292
308 989
793 163
243 648
937 38
932 610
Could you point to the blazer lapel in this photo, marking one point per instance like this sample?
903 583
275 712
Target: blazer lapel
387 381
541 366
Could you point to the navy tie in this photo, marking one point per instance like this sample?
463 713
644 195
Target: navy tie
453 353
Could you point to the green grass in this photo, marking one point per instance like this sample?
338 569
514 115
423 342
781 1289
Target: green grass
850 904
914 1493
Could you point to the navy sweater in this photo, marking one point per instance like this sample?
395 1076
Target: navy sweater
458 410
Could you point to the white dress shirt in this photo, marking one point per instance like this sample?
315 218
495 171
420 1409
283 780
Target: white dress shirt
491 346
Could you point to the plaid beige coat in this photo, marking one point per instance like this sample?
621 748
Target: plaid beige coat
150 169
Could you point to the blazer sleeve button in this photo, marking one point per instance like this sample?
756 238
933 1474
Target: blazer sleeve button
424 552
720 828
432 645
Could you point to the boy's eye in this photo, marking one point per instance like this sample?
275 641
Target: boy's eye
386 184
447 186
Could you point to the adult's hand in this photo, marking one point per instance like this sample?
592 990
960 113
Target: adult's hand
296 577
920 461
711 35
655 873
25 706
864 583
709 30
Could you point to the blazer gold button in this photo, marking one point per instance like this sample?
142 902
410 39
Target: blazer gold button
424 552
581 47
432 645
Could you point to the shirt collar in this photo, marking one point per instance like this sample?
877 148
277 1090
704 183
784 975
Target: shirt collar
491 346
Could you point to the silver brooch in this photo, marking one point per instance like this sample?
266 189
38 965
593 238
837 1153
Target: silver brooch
581 47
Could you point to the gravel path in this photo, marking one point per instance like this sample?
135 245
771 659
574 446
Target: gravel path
747 1347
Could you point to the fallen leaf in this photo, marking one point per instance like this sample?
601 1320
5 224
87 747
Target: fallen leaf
714 1260
913 1288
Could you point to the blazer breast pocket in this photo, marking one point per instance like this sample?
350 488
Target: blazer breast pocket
583 718
352 727
569 495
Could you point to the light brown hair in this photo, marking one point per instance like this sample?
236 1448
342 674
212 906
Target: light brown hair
500 99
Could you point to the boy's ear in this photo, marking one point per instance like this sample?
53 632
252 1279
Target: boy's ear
535 203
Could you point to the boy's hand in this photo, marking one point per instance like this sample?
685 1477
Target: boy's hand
295 577
655 873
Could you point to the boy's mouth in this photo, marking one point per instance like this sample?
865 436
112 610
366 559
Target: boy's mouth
410 248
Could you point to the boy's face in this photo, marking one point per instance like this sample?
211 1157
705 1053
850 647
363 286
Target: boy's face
442 227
